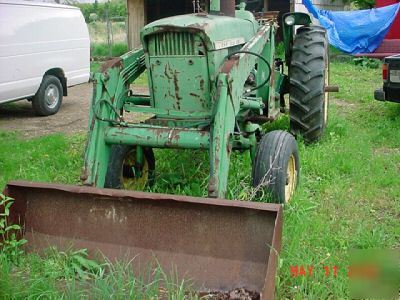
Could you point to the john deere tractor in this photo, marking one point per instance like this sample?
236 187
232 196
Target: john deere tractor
213 80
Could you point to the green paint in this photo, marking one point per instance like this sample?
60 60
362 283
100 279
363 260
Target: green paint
157 137
215 5
288 30
197 98
181 82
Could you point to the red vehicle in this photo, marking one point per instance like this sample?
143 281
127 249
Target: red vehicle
391 80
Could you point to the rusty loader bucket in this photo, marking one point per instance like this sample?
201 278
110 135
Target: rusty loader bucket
220 245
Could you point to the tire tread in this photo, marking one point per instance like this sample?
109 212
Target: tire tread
272 154
307 81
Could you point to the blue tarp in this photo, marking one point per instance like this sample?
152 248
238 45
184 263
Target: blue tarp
358 31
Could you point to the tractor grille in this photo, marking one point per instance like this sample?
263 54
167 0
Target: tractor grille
173 43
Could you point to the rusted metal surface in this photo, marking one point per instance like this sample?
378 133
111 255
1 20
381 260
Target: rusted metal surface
159 137
260 119
228 7
220 245
112 63
331 88
267 16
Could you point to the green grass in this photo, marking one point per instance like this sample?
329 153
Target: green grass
350 188
53 158
70 275
102 49
95 66
348 195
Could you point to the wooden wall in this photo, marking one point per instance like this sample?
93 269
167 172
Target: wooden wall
141 12
136 20
297 5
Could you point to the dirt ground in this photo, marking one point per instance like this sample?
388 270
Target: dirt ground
71 118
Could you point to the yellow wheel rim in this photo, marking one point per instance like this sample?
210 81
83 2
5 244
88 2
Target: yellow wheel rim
134 182
291 178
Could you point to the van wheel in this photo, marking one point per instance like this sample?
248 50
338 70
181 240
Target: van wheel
48 98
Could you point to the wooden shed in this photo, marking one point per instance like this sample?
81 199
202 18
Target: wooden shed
142 12
297 5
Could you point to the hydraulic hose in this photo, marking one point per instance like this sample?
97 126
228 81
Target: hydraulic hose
260 57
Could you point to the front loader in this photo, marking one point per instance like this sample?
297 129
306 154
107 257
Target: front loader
214 81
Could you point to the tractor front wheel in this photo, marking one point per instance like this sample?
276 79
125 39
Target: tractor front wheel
125 173
309 74
276 166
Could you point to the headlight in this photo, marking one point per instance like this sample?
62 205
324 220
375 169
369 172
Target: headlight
289 20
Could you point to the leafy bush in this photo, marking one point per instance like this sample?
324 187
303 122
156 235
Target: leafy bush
116 8
10 246
70 264
93 17
280 50
367 62
98 50
361 4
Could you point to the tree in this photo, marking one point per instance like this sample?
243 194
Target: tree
361 4
116 8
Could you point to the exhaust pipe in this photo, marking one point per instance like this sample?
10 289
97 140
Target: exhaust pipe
222 7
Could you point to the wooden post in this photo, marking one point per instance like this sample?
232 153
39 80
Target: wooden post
136 20
266 5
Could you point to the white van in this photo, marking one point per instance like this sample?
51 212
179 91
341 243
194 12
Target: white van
44 48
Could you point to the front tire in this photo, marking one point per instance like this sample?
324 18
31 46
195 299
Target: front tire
309 74
276 166
48 98
122 172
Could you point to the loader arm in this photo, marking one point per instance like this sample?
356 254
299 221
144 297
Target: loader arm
230 102
200 96
110 89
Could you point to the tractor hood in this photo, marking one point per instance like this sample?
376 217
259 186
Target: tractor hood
218 31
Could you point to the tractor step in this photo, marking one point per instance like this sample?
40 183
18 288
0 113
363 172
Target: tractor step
219 245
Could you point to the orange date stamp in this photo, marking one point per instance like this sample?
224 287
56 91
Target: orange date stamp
367 271
370 273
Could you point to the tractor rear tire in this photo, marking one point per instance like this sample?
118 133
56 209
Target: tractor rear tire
120 174
276 166
309 73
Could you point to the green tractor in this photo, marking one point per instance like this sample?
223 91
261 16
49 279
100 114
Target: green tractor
214 81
